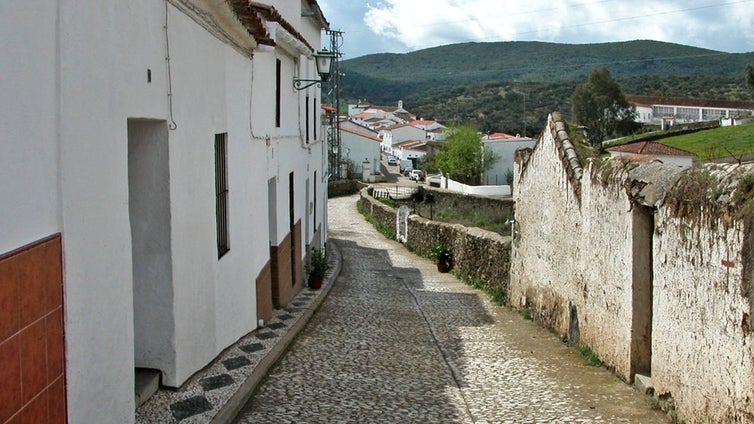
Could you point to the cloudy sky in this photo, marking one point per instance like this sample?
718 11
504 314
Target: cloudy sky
398 26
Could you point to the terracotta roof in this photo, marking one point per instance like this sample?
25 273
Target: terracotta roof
688 102
499 135
412 144
649 148
359 133
328 108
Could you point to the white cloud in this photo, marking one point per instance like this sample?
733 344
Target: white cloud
417 24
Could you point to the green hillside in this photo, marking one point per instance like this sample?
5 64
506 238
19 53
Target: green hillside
512 86
716 143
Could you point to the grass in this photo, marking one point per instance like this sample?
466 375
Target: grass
716 143
496 294
590 358
384 230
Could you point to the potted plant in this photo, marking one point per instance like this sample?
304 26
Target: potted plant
443 256
317 268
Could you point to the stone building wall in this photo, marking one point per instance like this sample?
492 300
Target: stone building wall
647 265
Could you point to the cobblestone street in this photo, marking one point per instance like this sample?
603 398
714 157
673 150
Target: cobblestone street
397 342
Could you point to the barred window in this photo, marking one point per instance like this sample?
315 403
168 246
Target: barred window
221 193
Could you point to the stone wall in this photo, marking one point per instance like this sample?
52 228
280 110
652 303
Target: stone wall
478 254
644 263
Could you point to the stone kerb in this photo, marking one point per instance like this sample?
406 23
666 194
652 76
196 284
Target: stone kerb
479 254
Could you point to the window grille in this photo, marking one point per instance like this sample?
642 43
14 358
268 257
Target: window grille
221 193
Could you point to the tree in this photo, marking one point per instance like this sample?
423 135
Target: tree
600 106
750 78
464 157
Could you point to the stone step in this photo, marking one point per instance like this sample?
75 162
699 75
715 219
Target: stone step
147 383
644 384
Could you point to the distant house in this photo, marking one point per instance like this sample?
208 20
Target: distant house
669 111
358 146
411 149
504 146
370 114
654 150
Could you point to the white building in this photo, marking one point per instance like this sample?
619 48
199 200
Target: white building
135 190
669 111
359 146
504 147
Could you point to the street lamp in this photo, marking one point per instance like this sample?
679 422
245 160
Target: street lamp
324 60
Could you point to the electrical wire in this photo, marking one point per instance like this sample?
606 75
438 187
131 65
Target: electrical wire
172 125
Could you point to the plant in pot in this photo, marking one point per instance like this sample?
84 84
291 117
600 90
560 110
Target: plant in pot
443 256
317 268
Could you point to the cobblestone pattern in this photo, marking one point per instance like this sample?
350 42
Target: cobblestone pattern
396 341
202 397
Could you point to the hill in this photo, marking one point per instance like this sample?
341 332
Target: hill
465 64
512 86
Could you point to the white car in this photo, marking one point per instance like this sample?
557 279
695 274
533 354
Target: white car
416 175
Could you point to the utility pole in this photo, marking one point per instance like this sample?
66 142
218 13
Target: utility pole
334 153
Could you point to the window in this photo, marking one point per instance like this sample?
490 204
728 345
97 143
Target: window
278 66
221 193
306 114
314 118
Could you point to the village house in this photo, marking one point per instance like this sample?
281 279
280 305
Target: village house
504 147
162 183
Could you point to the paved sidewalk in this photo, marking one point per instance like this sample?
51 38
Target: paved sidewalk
396 341
216 393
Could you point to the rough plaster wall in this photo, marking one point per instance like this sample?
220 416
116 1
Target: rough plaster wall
605 265
572 252
701 347
547 215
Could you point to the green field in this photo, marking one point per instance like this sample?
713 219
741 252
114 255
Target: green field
716 143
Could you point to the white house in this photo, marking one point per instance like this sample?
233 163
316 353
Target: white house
146 146
504 147
359 146
654 151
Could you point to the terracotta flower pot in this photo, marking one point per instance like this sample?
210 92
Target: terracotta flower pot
315 283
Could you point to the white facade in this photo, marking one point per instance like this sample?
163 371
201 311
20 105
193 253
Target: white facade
358 148
90 151
505 151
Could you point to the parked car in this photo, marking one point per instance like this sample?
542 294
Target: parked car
434 180
416 175
392 160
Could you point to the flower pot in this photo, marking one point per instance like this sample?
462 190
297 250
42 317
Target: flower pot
443 267
315 283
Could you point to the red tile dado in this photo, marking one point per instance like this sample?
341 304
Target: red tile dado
56 401
36 411
55 347
32 287
10 378
32 352
10 311
33 360
53 274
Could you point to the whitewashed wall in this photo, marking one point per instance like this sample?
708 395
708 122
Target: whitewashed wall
78 74
29 171
574 247
702 338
